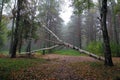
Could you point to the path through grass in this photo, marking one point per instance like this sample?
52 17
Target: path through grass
55 69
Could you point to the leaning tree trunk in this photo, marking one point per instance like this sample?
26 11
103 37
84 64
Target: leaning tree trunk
60 42
107 50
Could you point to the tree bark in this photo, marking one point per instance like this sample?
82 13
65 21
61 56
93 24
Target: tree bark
29 47
1 11
16 33
12 33
107 50
29 40
79 32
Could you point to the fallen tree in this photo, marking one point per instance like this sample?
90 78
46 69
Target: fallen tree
48 48
72 46
61 42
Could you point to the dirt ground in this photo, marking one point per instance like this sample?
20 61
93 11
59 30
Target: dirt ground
58 67
64 67
67 58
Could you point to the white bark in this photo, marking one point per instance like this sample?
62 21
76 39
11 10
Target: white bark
41 49
74 47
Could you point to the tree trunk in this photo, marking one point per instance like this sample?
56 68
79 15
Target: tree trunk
20 39
20 44
1 11
13 25
29 47
12 33
29 41
16 33
79 32
107 50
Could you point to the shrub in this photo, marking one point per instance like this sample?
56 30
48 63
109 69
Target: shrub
95 47
115 48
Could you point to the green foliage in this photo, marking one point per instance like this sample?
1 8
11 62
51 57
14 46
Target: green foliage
6 1
81 5
3 34
95 47
68 52
2 40
114 48
117 7
51 7
7 66
4 52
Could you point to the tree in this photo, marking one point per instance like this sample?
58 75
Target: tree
12 30
90 24
1 10
16 32
24 30
73 34
31 30
115 27
83 6
3 29
107 50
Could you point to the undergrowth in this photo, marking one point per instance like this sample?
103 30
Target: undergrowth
69 52
7 66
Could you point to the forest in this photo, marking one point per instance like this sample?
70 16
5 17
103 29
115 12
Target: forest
59 39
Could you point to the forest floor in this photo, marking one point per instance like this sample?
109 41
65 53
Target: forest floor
68 59
64 67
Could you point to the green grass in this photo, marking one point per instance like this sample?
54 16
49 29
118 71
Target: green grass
7 66
4 52
69 52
